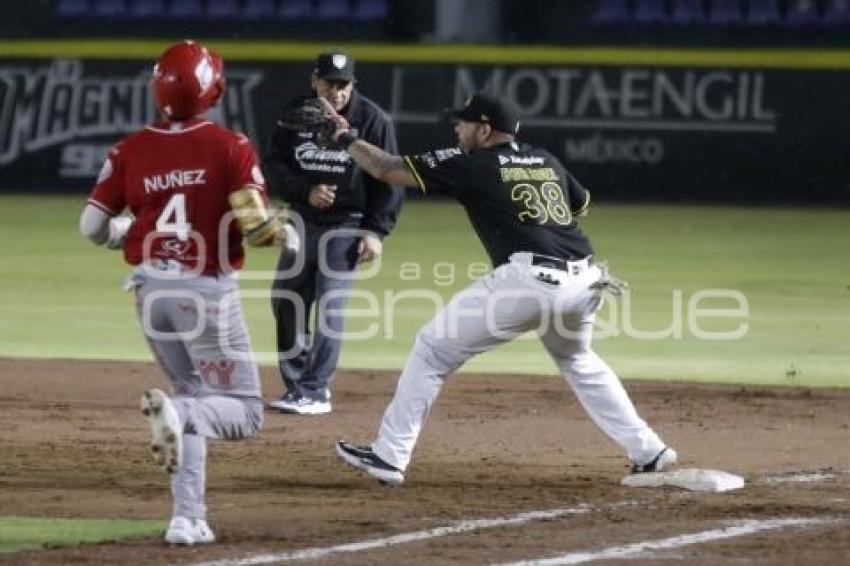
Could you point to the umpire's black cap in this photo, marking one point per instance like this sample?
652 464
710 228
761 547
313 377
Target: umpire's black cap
501 114
334 65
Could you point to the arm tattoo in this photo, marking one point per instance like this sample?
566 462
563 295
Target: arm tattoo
375 160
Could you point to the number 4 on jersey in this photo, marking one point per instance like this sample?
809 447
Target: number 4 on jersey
172 219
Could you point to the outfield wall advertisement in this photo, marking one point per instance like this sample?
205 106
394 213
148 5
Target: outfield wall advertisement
631 131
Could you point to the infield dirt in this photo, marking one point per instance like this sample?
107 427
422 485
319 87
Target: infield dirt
73 444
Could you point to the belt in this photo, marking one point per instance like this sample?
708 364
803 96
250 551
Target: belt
570 266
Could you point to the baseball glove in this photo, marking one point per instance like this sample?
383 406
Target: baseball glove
310 116
608 282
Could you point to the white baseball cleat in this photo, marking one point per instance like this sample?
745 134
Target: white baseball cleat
166 431
183 530
663 461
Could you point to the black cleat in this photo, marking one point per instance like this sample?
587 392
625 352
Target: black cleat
362 458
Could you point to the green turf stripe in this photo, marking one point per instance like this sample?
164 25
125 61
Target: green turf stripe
791 58
26 533
58 289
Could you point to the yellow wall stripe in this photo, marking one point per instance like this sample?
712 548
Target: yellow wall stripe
790 58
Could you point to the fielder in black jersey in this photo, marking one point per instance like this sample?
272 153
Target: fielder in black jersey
518 198
523 205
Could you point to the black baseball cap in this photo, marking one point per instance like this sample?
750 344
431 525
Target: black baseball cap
334 65
501 114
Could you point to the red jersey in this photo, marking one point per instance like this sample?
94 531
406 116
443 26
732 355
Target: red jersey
175 178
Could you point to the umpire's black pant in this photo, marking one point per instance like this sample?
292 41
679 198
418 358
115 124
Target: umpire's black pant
308 359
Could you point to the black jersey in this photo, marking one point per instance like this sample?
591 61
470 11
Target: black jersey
518 198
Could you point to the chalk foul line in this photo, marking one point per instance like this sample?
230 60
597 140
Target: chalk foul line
643 549
463 526
738 528
801 477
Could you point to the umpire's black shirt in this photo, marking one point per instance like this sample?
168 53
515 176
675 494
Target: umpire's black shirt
294 162
519 198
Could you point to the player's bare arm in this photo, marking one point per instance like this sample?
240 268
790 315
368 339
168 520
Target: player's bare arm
380 164
377 162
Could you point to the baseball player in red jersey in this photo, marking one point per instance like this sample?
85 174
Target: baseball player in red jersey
195 191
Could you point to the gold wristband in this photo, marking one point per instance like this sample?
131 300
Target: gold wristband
253 217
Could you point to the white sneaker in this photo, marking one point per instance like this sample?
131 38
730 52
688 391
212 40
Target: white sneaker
166 431
183 530
302 406
283 402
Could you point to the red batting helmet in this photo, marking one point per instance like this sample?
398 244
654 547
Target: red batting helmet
219 82
187 80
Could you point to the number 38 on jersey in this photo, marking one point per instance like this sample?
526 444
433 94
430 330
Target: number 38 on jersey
540 203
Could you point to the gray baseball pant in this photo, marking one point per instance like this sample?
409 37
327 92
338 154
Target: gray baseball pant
197 333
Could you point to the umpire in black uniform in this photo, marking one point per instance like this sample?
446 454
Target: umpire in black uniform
330 192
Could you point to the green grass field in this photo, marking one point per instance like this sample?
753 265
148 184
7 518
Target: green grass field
62 297
26 533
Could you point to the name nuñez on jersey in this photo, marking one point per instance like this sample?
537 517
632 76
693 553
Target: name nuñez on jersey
174 179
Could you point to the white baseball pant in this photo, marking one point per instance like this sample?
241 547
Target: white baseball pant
517 297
